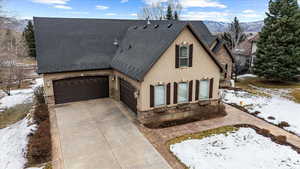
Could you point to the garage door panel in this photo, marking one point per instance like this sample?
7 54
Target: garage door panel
127 94
80 88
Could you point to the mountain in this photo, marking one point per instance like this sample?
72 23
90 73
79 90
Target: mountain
250 27
14 24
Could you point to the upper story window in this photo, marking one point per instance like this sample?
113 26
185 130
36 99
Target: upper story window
183 56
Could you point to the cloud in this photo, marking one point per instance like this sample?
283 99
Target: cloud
215 16
133 14
124 1
192 3
150 2
51 1
78 12
63 7
248 11
202 3
110 14
100 7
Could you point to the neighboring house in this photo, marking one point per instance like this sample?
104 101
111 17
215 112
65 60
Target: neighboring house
225 57
146 66
245 53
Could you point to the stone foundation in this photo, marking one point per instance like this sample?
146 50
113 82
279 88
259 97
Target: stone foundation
177 112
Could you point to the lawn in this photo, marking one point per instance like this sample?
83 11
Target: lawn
235 149
276 103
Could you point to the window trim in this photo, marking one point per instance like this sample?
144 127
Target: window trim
187 92
165 96
185 57
200 98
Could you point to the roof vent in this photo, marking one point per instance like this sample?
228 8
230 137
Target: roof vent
116 42
135 27
156 26
145 26
170 25
129 47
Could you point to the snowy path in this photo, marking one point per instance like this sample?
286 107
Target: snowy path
243 149
277 106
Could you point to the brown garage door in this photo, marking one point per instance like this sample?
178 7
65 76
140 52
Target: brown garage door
80 88
127 94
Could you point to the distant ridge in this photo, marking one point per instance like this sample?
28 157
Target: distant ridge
213 26
250 27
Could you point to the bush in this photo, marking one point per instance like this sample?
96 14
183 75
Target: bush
39 95
39 145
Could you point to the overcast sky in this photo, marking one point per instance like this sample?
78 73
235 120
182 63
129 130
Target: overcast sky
217 10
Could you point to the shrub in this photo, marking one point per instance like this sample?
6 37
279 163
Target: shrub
283 124
281 139
39 145
39 95
263 132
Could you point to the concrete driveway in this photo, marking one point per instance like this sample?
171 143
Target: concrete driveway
96 134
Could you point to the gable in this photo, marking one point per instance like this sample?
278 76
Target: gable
203 65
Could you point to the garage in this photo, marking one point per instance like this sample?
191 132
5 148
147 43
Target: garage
127 95
80 88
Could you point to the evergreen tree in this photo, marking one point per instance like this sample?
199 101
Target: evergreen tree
278 53
169 15
29 37
176 17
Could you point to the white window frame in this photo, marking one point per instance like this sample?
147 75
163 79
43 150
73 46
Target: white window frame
208 90
184 57
187 92
159 105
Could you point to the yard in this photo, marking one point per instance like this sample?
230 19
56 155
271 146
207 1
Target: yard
16 124
233 149
276 103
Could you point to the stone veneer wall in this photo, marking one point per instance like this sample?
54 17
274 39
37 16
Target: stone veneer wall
177 112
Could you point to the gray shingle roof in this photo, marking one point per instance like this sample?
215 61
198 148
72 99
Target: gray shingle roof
65 44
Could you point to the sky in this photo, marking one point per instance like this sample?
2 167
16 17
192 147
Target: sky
216 10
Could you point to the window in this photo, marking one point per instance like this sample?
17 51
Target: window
159 95
182 92
183 56
204 89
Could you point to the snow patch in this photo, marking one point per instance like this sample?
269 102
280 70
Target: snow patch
276 106
20 96
246 76
13 141
243 149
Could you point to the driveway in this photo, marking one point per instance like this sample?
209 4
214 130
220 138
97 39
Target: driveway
96 134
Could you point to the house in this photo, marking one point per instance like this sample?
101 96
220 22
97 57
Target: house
146 65
225 57
245 54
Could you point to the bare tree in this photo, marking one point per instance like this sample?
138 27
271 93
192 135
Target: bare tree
152 12
12 47
158 11
235 34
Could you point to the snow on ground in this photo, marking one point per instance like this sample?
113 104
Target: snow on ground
13 143
277 106
243 149
246 76
19 96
